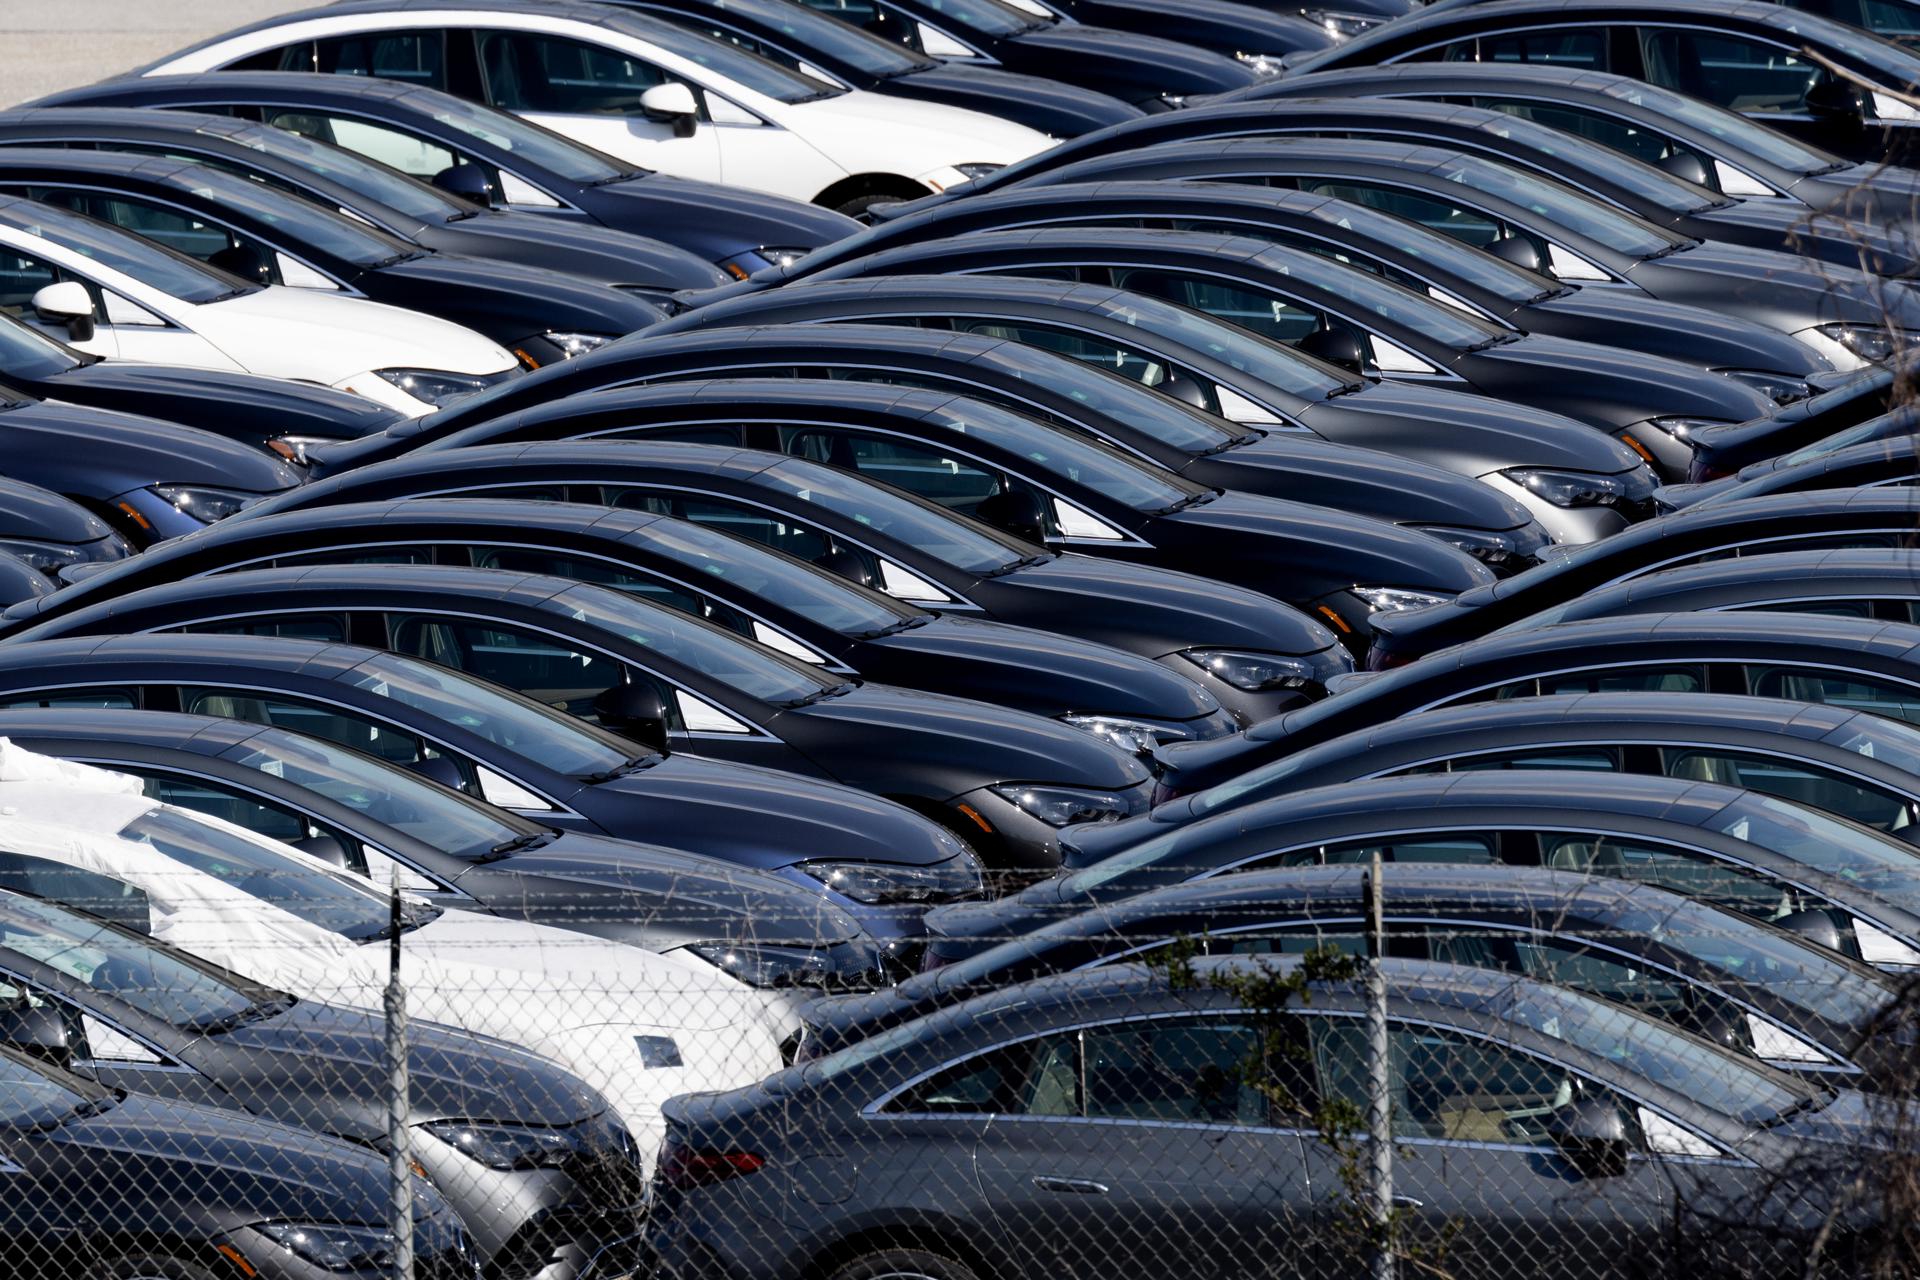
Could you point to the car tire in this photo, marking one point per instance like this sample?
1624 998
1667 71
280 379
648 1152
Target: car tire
903 1264
860 204
148 1266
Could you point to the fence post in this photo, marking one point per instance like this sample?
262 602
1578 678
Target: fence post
399 1132
1379 1085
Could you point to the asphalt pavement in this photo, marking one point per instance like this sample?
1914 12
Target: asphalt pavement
56 44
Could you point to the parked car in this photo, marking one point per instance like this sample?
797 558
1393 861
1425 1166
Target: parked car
1585 486
295 1205
984 1152
1848 662
1747 986
394 202
1843 886
1769 62
1818 520
109 293
510 1140
1242 644
803 40
1847 317
609 658
275 238
1282 460
1257 35
1862 406
1357 322
1881 461
1459 275
797 608
496 159
711 110
540 766
50 533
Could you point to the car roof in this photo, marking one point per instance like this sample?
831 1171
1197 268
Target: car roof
237 653
1853 573
200 735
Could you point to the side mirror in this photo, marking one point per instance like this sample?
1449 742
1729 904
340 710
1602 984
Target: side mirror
1182 388
1816 927
1592 1134
636 710
1521 252
672 103
469 182
246 261
325 848
1688 166
39 1030
441 770
67 303
850 565
1832 101
1338 346
1018 512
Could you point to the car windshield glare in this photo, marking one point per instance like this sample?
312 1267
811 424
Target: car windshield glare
1147 865
989 17
1445 326
25 352
374 181
1615 230
1657 187
1059 455
1233 346
927 529
306 223
557 155
1118 398
1834 846
433 815
814 594
1888 741
832 38
719 655
29 1096
549 738
1501 278
1750 136
174 274
746 69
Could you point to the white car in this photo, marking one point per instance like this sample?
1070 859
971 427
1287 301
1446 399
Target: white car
639 1027
110 293
644 90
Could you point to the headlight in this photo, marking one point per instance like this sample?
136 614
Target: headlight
48 557
1172 101
333 1247
1492 546
1341 26
432 386
881 882
1263 64
1129 735
1252 671
1870 342
1682 429
201 501
978 169
1397 599
1780 388
509 1146
1064 806
578 344
1572 488
768 966
294 448
742 265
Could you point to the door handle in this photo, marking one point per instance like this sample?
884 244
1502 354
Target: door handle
1071 1186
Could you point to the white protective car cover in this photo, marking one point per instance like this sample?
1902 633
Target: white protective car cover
585 1002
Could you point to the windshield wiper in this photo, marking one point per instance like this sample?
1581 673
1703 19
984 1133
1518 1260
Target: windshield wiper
634 765
1191 500
820 695
893 628
507 848
1013 566
1671 250
252 1013
1237 442
1497 340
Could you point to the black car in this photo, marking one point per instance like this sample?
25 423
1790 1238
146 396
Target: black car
1578 483
50 533
1878 461
392 201
1241 643
780 601
1748 986
1007 780
545 768
1282 460
375 817
1765 60
1843 886
1848 662
496 158
1817 520
272 237
1683 134
1867 405
1355 320
1042 484
1100 1124
1151 73
512 1141
1846 316
171 1186
1459 275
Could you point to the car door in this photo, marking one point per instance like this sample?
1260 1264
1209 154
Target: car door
592 93
122 327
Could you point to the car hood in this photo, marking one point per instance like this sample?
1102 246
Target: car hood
28 511
1611 386
237 404
1885 249
724 220
1016 666
1780 289
599 253
1172 68
872 730
289 333
99 454
766 818
1069 109
514 301
1852 1119
1477 434
861 132
960 929
1697 335
1084 845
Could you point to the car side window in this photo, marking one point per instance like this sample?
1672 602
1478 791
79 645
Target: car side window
1469 226
357 555
1445 848
75 887
632 581
410 153
1684 871
1883 698
1608 131
529 72
1585 48
112 699
1892 19
1594 759
20 278
262 817
870 16
549 669
1816 788
413 57
1687 679
1266 314
322 627
335 724
174 228
1089 348
768 528
957 483
1733 71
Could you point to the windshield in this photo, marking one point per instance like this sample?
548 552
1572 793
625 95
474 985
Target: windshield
1738 1087
298 886
1888 741
529 142
815 33
1500 278
1269 361
1643 181
1059 454
1145 859
1394 303
306 224
173 274
988 17
135 971
1113 396
748 70
926 529
1615 230
719 655
27 353
375 181
1816 840
1755 139
814 594
40 1095
547 737
395 797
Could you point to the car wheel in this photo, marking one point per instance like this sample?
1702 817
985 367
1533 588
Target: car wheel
903 1264
148 1266
860 204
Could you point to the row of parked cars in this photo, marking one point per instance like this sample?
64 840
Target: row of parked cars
792 561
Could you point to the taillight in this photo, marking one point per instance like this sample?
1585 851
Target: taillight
683 1168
